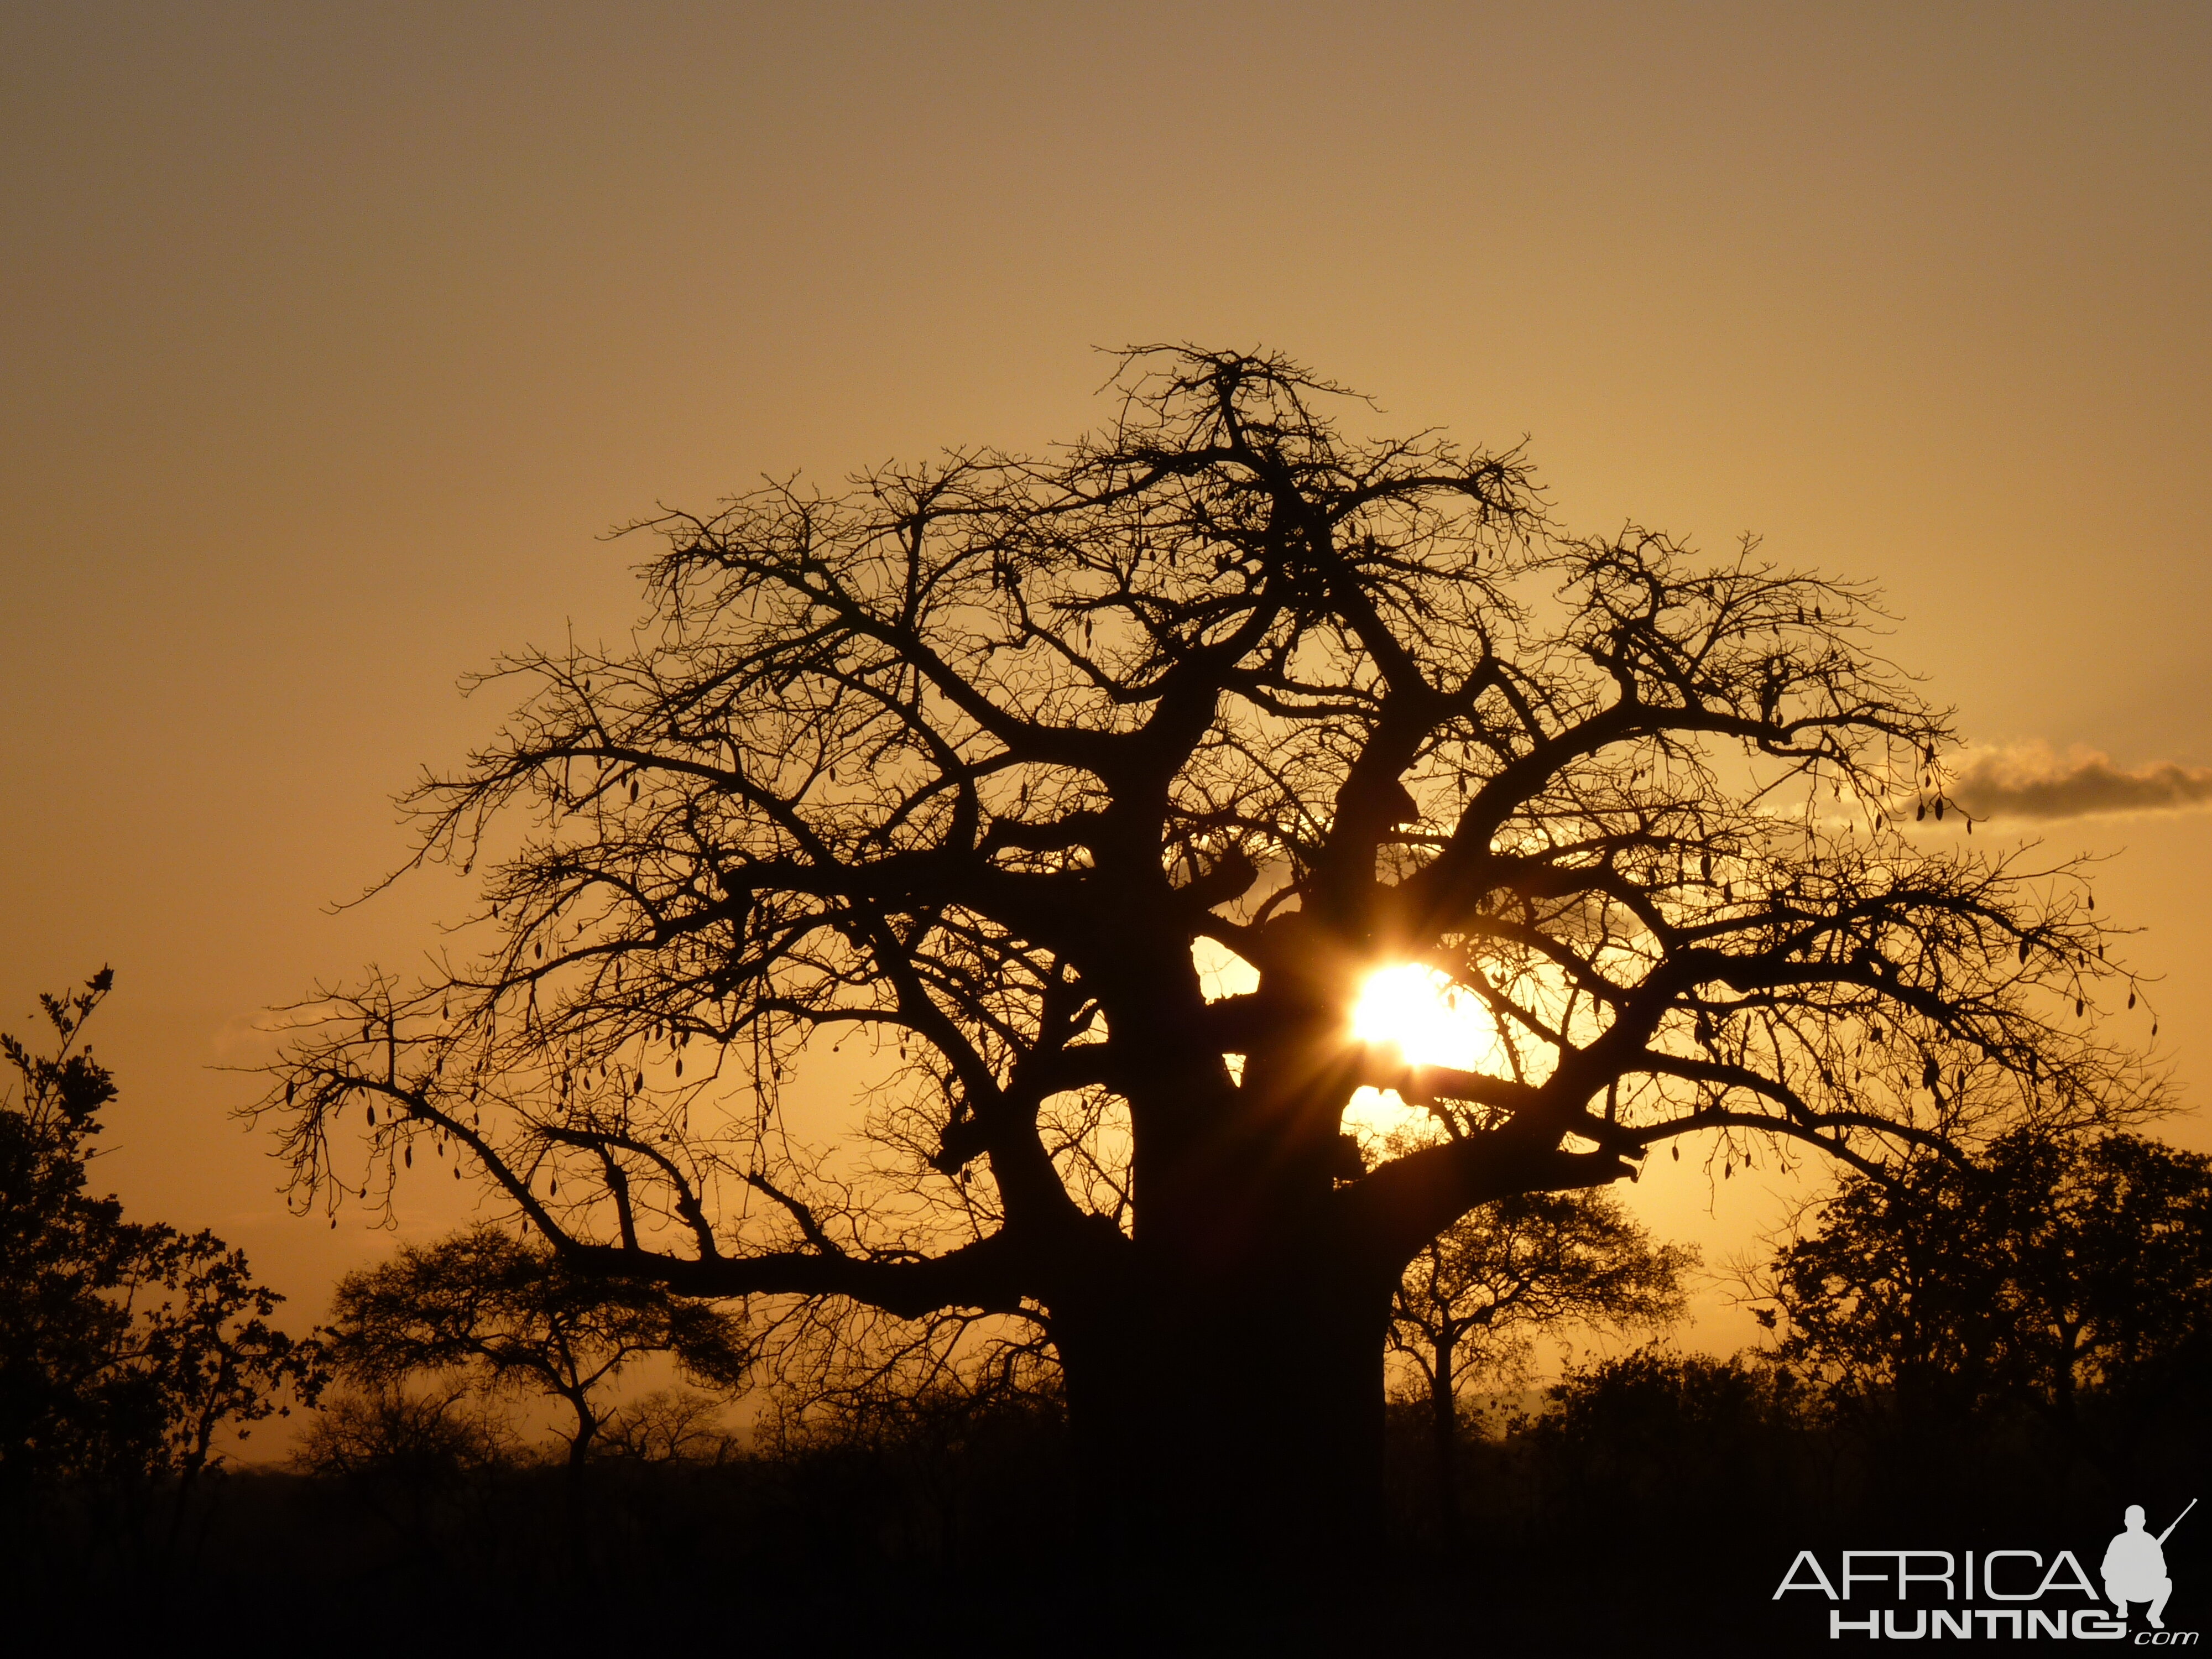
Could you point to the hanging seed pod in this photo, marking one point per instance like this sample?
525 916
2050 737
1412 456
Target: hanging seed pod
2023 953
2153 1028
1677 1151
457 1172
407 1157
1931 1074
372 1115
2079 1004
1728 1171
679 1066
1939 809
1920 811
2131 999
633 791
538 949
334 1223
552 1186
289 1085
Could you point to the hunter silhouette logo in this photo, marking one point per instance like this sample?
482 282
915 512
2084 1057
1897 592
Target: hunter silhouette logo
2135 1566
2009 1593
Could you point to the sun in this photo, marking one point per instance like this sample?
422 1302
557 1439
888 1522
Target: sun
1418 1012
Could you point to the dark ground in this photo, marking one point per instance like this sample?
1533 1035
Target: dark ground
1659 1518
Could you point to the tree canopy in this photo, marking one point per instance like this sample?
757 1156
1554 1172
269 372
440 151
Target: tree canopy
956 766
1471 1304
509 1316
2067 1274
1471 1301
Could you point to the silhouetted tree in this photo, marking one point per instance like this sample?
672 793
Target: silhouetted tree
2062 1272
960 764
1470 1302
421 1460
126 1347
670 1425
509 1316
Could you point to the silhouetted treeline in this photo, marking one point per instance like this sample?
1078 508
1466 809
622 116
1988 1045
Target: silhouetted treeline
926 1521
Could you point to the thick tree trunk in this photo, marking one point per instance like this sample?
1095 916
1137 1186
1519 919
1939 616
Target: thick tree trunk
1230 1427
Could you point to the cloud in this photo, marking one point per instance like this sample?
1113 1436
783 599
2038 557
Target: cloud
2033 782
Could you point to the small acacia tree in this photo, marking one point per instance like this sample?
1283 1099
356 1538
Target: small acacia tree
1471 1301
510 1316
960 765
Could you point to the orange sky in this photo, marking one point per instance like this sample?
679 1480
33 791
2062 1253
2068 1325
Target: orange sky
331 337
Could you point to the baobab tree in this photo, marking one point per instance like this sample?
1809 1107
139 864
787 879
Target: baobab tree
958 767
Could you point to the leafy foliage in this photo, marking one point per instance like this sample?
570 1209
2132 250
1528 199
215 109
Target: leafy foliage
125 1346
508 1315
2057 1272
1470 1302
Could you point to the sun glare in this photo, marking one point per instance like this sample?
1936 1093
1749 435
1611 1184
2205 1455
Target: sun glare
1416 1009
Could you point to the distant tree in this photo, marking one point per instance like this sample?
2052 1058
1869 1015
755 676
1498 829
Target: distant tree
670 1425
2070 1275
1470 1302
126 1347
960 764
508 1316
421 1460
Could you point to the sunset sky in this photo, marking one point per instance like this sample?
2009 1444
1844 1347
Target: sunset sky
333 339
